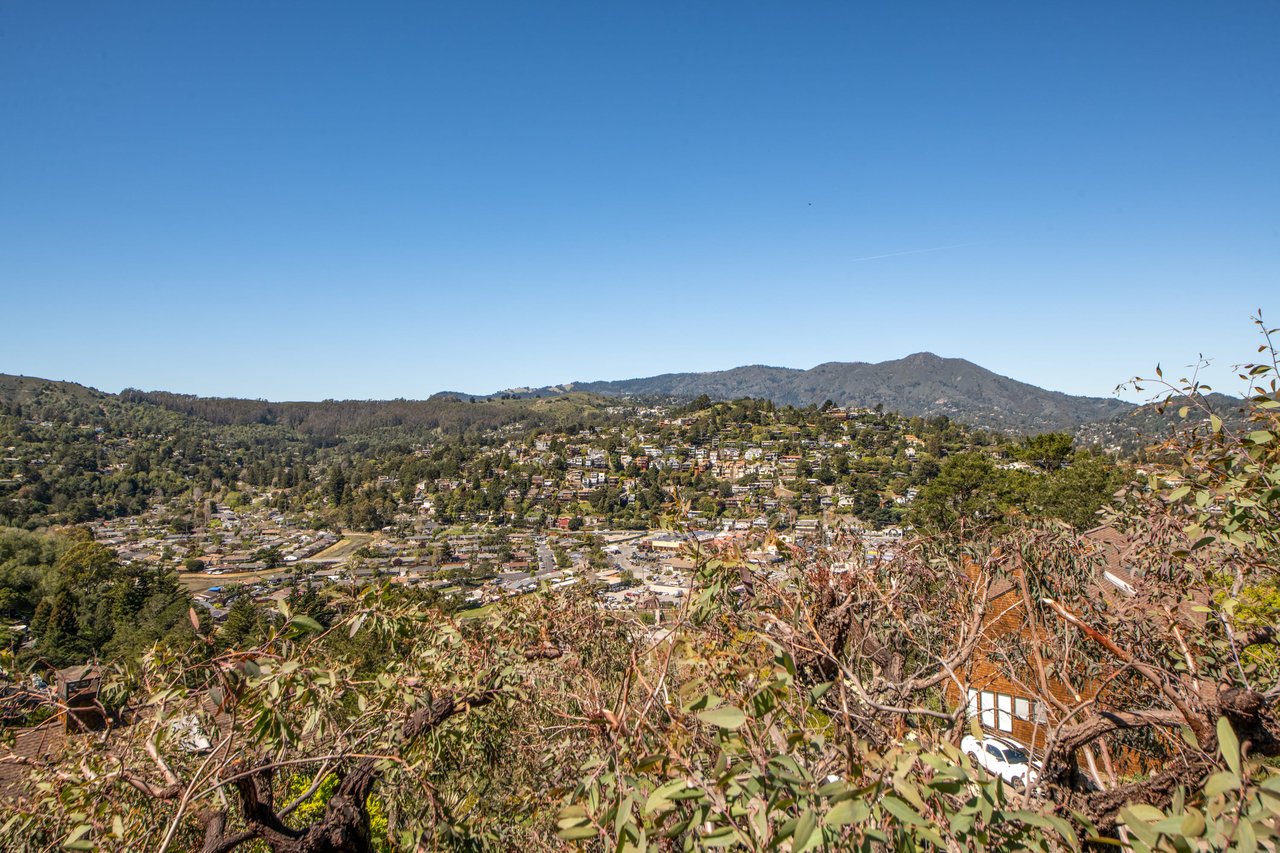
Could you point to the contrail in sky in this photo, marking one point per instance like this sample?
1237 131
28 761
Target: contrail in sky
910 252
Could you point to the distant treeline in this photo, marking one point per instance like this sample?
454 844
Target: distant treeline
343 417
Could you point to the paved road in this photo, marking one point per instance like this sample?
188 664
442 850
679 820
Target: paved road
546 560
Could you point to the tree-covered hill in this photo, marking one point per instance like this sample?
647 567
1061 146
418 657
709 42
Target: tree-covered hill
1143 426
33 390
922 384
447 413
72 453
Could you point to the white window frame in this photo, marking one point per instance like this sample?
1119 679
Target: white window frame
997 711
1004 712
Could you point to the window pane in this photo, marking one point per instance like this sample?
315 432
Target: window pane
973 703
988 708
1022 709
1005 705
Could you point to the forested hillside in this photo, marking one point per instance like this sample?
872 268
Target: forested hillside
72 454
332 418
921 384
1132 431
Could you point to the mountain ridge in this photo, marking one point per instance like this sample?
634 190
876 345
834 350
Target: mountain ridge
921 383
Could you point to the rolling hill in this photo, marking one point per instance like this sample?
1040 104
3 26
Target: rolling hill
921 384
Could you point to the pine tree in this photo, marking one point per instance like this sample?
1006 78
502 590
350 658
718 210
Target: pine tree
244 625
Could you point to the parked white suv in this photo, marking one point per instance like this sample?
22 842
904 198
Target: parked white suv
1002 758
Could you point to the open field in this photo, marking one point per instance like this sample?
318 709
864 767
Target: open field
199 581
336 553
477 612
340 551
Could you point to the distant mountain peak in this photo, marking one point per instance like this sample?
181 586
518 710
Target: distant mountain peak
922 383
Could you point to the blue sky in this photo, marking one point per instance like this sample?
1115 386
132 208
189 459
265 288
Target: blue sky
369 200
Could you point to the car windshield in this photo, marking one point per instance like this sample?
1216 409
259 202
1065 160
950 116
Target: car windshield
1013 755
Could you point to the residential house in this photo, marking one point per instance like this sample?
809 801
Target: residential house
989 683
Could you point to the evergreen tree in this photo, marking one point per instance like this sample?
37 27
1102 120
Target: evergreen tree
244 625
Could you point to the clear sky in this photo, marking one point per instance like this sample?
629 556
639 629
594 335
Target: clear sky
379 199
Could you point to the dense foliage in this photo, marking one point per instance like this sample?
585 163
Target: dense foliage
79 602
805 701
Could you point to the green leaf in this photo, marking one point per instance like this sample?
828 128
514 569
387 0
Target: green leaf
725 717
1145 812
1220 783
1140 828
804 829
1229 745
694 793
832 788
705 700
1246 838
1215 423
902 811
1270 800
962 823
622 815
662 794
975 728
848 811
309 624
577 833
1053 822
1192 824
1261 436
76 840
722 837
